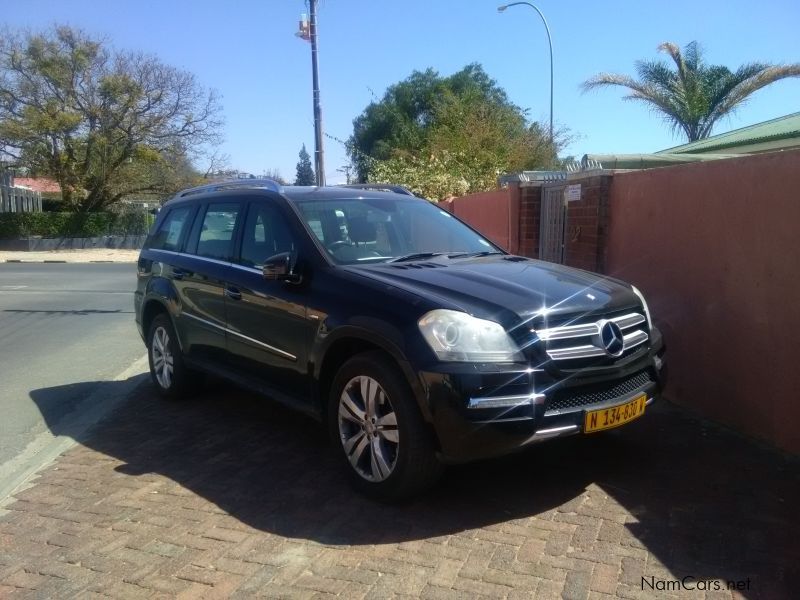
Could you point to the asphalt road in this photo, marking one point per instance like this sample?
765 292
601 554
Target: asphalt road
64 328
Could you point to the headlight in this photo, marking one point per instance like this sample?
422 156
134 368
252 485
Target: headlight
644 305
459 337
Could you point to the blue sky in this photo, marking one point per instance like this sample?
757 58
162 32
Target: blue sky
248 52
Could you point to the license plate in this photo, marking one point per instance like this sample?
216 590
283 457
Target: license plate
606 418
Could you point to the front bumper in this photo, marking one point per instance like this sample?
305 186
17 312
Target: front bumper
479 411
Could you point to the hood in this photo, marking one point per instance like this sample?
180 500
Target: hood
505 288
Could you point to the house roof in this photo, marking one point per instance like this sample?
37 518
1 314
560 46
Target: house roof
42 184
778 134
647 161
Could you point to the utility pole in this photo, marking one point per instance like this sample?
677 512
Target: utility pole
319 162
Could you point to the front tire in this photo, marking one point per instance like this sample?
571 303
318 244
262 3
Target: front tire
166 359
378 431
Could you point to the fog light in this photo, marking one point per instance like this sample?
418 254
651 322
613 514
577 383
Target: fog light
658 362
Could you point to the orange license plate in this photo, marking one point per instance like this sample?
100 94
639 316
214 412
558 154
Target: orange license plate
606 418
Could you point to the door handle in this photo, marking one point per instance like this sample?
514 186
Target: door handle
180 274
233 293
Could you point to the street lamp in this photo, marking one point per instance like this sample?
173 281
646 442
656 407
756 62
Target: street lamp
550 43
308 32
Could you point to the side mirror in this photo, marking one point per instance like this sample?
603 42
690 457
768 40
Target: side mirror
281 267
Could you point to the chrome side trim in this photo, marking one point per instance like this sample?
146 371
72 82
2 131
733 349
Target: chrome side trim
211 260
272 349
204 321
506 401
248 269
195 256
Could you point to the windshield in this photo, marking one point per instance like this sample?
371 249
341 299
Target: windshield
355 231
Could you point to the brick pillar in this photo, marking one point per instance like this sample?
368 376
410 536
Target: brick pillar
587 224
530 212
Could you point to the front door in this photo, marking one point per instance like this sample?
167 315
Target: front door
268 331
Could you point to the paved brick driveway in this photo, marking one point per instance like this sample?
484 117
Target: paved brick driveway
231 496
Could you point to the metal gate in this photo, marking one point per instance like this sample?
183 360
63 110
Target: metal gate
553 224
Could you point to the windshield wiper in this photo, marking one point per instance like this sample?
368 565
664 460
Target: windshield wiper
474 254
415 256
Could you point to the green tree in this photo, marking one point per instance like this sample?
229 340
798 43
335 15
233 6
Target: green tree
105 124
305 172
692 95
465 116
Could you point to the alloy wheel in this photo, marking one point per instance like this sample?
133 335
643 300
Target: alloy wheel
368 428
162 358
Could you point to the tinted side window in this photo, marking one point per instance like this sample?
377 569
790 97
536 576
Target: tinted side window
170 233
216 234
266 233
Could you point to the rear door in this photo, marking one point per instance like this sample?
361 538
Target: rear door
268 330
162 256
200 278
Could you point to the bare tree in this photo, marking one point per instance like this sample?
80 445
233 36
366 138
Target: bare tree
99 121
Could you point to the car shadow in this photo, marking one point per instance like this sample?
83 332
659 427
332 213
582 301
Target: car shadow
704 502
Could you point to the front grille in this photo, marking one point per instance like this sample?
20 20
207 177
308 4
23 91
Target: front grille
568 398
580 343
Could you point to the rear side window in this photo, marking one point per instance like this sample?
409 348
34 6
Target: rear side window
216 234
170 233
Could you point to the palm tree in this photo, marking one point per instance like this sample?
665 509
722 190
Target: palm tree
693 96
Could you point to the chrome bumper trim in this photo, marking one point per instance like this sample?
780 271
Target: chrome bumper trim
506 401
544 434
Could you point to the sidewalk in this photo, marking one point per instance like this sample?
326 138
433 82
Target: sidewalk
72 256
230 496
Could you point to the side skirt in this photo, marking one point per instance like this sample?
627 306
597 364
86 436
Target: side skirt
253 384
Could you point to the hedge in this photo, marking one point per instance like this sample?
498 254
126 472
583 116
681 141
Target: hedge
78 225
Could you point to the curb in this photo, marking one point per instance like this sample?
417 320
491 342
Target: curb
17 473
81 262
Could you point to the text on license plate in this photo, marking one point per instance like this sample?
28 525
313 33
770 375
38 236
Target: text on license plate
606 418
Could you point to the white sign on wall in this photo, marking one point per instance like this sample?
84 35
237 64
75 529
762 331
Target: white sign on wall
572 192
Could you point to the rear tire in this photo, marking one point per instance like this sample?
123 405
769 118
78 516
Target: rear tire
378 432
167 370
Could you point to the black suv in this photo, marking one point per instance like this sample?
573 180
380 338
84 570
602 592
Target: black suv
416 340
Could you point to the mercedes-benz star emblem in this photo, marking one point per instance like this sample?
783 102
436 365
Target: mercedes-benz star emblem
611 338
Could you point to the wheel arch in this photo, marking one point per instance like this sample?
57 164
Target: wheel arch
351 341
153 307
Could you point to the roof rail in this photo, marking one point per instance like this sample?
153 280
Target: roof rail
253 184
379 187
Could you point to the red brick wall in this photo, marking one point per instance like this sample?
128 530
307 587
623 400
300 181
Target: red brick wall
714 247
495 214
509 217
